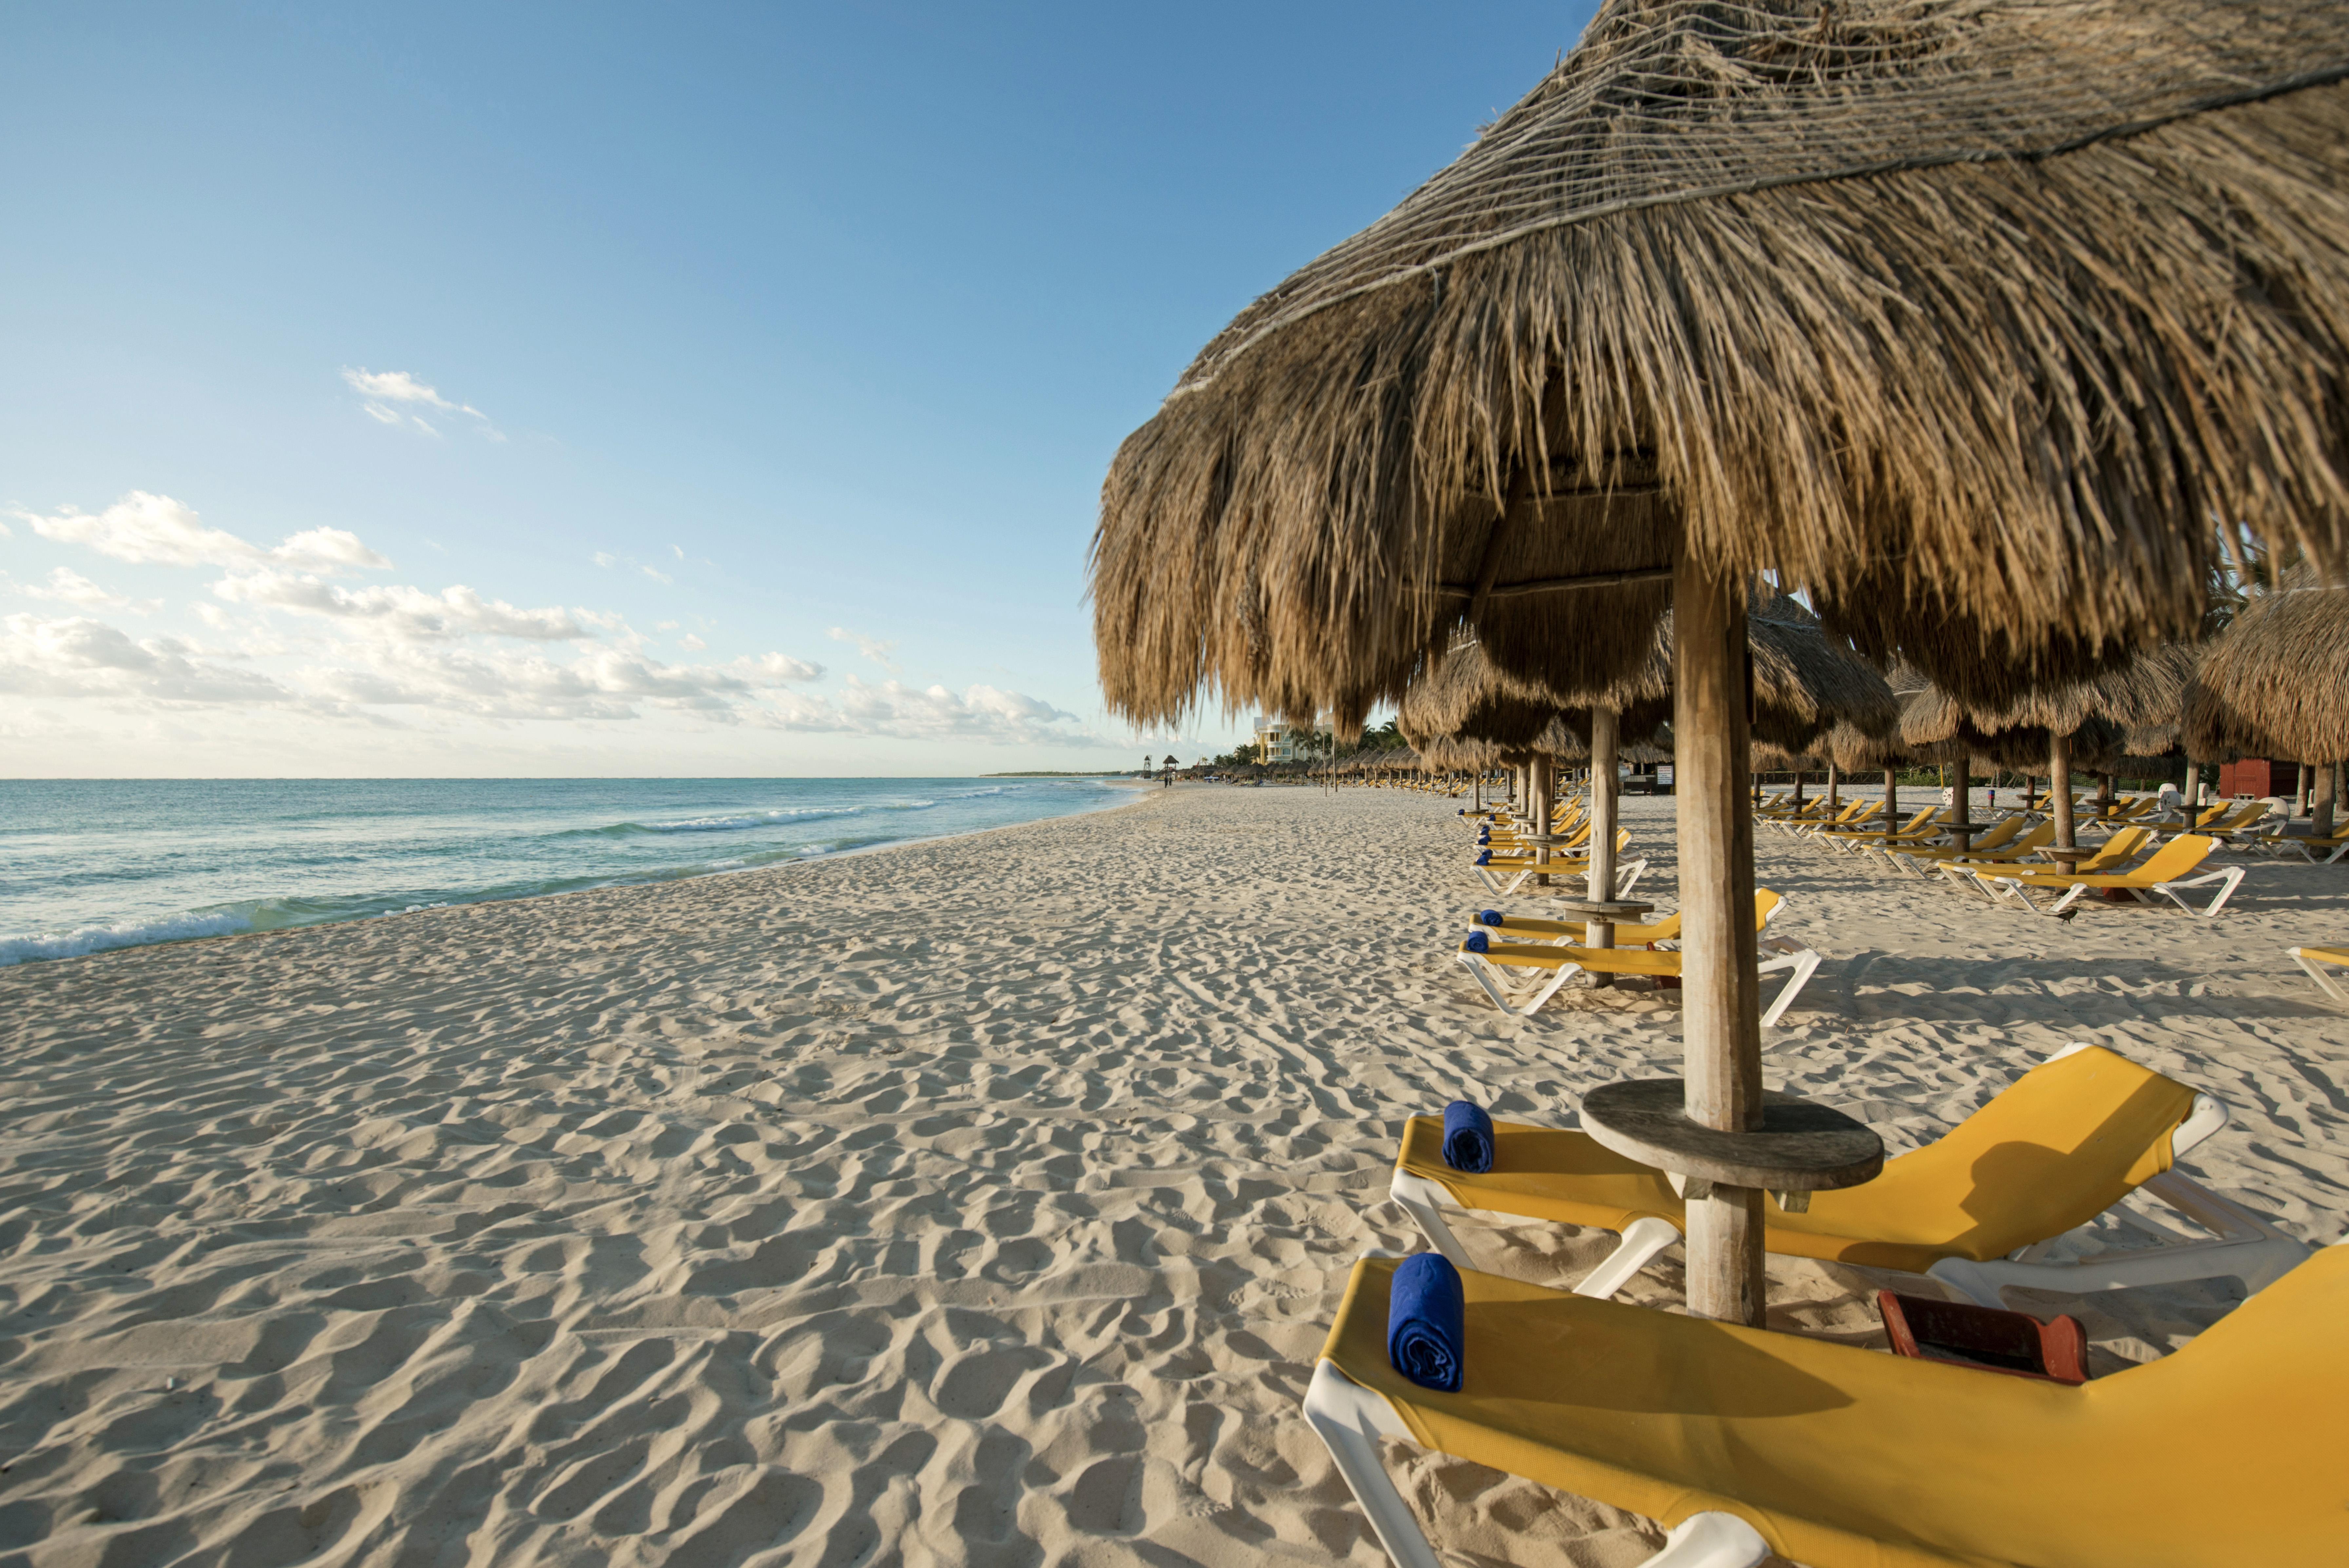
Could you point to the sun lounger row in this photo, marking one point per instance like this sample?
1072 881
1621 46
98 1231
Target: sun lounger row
1520 964
1745 1441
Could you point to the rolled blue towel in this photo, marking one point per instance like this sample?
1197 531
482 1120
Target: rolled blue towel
1427 1322
1484 857
1477 942
1467 1137
1490 918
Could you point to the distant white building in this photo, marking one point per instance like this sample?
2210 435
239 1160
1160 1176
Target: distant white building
1275 741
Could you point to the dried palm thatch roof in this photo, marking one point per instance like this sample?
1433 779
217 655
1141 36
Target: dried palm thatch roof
2146 694
2276 682
1655 748
1442 753
1462 697
1766 758
1854 750
2143 697
1936 727
1966 316
1803 682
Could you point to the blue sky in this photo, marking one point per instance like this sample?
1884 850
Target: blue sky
631 390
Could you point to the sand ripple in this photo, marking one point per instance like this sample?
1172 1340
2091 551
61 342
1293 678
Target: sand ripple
982 1202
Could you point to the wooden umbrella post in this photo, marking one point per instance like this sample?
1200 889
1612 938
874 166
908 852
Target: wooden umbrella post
1835 787
1891 799
1961 825
1721 1016
1600 882
1539 769
2059 790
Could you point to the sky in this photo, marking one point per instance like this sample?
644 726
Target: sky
551 390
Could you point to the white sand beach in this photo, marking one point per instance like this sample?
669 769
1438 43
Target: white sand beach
982 1201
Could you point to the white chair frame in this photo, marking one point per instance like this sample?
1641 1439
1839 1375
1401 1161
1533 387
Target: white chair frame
1525 999
1349 1419
2324 982
2013 890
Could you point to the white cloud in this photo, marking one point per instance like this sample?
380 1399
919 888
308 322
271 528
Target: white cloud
871 648
900 711
605 559
78 657
145 529
603 683
71 587
385 391
403 612
691 643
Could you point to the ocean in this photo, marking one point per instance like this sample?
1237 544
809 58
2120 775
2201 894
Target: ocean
91 864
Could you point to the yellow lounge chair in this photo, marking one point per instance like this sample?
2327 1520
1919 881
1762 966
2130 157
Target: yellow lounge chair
1850 813
1997 836
2124 813
1512 845
1941 821
2312 960
2316 849
2110 857
1855 838
1917 860
1746 1442
1505 873
2168 873
1977 1210
1522 929
1561 963
1941 838
1817 812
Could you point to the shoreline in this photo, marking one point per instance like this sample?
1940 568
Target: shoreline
985 1200
648 879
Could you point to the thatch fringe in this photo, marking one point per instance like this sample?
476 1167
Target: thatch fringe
1803 682
1983 411
2276 682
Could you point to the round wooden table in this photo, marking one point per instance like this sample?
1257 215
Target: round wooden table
1801 1146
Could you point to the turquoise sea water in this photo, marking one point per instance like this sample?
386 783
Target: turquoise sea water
91 864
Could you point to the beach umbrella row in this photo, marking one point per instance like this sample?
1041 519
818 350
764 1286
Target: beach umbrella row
1927 309
2276 682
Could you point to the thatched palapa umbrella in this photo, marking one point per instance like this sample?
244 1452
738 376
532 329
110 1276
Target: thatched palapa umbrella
1965 319
2055 726
2276 682
1803 683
